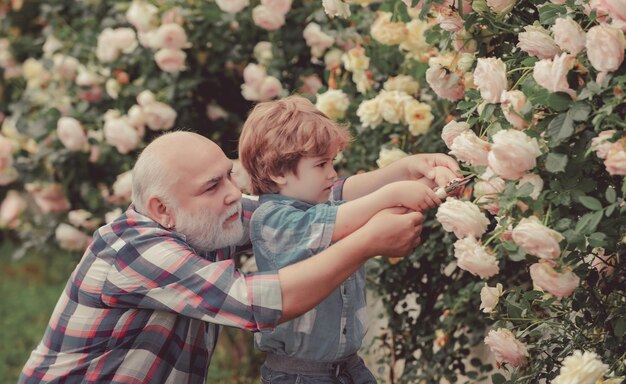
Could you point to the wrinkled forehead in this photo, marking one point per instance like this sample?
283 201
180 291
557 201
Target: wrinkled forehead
198 167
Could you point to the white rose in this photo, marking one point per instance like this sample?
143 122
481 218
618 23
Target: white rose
145 97
464 218
71 238
581 367
388 156
355 59
170 60
552 74
489 297
475 258
506 347
392 105
513 153
122 188
121 135
263 52
232 6
537 239
336 8
490 78
141 15
159 116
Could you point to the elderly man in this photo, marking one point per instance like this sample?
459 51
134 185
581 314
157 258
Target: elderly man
145 302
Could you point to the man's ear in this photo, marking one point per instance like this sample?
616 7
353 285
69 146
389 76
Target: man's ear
160 212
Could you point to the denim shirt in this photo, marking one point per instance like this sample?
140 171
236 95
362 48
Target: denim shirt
285 231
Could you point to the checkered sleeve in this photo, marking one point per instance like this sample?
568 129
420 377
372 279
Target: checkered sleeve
163 273
283 234
336 194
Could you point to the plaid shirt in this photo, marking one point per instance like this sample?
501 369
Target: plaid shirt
285 231
144 307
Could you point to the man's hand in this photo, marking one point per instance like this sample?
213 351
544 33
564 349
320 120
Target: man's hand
436 167
393 232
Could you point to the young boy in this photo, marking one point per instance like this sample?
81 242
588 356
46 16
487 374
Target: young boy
288 146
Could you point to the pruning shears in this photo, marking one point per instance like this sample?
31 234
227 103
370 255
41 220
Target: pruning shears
452 186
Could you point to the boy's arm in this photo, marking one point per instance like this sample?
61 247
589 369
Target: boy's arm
409 194
434 169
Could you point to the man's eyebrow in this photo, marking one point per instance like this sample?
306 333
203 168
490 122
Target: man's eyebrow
217 179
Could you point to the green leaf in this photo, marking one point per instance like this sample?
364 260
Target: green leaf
556 162
517 256
548 13
610 194
560 128
624 187
514 310
610 209
619 327
497 378
590 202
579 111
597 239
589 222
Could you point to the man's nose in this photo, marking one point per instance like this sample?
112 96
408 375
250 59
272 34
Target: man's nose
233 194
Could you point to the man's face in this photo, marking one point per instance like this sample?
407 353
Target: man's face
207 204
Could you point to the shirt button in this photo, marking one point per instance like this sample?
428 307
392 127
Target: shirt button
345 330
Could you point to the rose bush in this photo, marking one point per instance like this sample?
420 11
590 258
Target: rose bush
527 95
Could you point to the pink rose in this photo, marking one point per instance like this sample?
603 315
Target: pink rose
601 144
602 13
136 117
536 41
159 116
232 6
513 103
513 153
66 66
506 347
267 18
122 188
170 60
569 35
475 258
49 197
270 88
489 297
547 279
487 191
280 6
310 84
170 36
450 20
82 218
71 133
447 85
106 49
605 49
121 135
215 112
615 161
452 130
253 74
469 148
616 9
11 208
317 39
173 15
537 239
462 217
535 181
552 74
490 78
604 264
71 238
7 172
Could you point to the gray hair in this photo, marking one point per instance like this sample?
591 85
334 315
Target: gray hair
151 177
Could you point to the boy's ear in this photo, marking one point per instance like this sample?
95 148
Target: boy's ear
279 179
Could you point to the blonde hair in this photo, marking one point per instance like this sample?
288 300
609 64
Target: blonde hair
277 134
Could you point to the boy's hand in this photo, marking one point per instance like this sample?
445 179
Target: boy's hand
413 195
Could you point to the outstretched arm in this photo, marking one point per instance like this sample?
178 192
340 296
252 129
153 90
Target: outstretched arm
305 284
434 169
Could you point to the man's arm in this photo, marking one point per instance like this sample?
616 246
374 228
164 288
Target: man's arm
305 284
416 167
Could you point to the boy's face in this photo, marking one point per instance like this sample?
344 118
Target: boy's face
315 178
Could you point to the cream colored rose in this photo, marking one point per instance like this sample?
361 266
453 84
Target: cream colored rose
87 78
332 58
388 156
66 66
232 6
71 238
267 18
501 6
281 6
615 161
392 105
475 258
159 116
333 103
537 239
452 130
535 180
469 148
387 32
418 116
369 113
569 35
506 347
171 36
464 218
317 39
336 8
355 59
487 191
136 117
141 14
536 41
71 134
112 88
122 188
402 83
263 52
82 218
111 42
50 197
545 278
121 135
581 367
489 297
11 208
605 49
170 60
552 74
513 153
601 143
415 43
513 103
490 78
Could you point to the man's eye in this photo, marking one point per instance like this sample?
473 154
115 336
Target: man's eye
211 188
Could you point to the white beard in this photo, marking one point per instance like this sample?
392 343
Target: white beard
205 231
